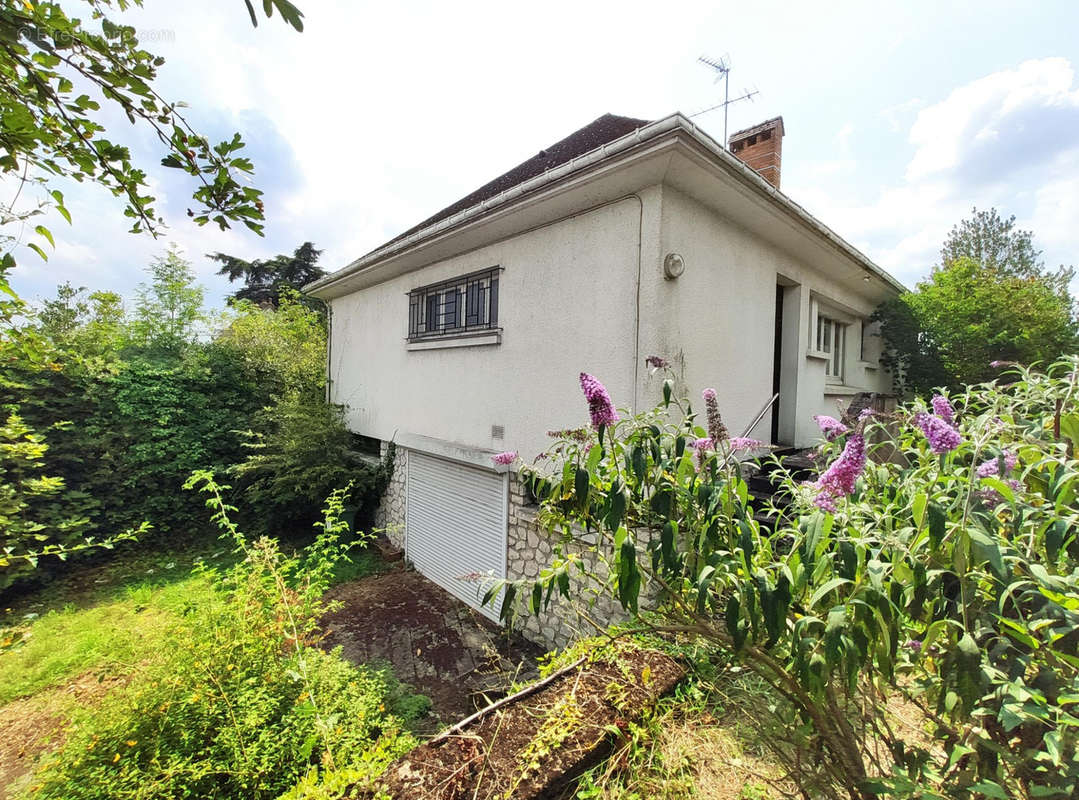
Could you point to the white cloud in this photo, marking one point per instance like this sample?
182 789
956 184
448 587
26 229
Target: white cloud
896 115
998 123
1009 139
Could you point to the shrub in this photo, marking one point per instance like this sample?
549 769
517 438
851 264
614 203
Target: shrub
36 514
242 703
281 350
946 577
298 453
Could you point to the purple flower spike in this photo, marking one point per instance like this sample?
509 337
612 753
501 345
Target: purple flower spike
658 362
942 408
992 466
839 479
702 446
717 431
745 443
830 427
943 438
505 458
600 406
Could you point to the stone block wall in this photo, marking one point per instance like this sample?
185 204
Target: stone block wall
390 514
530 549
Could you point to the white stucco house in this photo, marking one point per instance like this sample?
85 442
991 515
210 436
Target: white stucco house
464 336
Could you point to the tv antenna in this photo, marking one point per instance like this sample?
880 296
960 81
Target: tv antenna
722 68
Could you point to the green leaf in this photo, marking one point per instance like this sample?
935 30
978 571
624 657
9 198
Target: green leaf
937 519
826 589
581 482
42 231
704 580
990 789
918 506
506 611
616 506
639 463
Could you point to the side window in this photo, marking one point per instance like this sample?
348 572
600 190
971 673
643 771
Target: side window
832 339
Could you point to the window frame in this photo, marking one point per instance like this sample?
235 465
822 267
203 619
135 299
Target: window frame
464 305
832 341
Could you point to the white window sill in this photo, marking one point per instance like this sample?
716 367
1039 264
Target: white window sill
467 340
869 364
841 390
818 354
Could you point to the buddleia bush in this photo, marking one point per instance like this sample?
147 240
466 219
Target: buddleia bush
915 610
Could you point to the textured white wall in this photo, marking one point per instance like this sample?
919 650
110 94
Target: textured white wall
567 303
717 321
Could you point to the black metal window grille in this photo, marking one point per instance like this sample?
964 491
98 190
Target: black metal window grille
463 305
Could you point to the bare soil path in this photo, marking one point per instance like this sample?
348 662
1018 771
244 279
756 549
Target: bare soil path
434 642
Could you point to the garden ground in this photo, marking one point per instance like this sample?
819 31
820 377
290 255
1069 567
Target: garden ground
70 644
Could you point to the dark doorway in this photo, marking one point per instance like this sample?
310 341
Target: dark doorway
777 362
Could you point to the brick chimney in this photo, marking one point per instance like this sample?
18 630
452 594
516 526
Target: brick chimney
761 147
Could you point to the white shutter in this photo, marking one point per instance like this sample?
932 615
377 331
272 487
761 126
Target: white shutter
456 526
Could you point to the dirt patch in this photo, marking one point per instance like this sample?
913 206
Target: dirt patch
437 644
32 726
537 744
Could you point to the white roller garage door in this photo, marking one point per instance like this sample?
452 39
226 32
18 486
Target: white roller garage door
456 525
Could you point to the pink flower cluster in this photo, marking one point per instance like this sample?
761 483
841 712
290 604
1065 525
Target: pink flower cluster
992 466
745 443
942 408
656 362
717 431
600 406
576 434
702 446
505 458
986 469
943 438
830 427
839 479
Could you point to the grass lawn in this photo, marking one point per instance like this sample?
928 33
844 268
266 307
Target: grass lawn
104 620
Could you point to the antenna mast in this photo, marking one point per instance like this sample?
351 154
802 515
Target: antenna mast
722 68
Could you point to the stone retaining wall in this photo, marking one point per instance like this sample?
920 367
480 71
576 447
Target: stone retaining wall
530 549
390 514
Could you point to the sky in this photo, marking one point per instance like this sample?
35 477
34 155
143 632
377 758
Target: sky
899 116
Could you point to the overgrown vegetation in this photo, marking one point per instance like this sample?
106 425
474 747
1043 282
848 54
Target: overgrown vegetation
239 701
117 408
944 579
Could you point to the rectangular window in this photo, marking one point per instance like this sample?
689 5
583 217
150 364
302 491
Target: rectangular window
831 339
451 308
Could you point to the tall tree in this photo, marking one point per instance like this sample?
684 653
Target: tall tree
169 309
995 243
992 299
265 280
